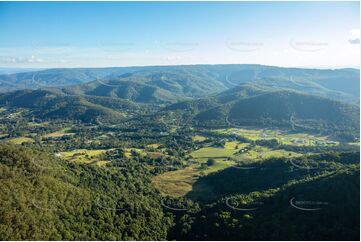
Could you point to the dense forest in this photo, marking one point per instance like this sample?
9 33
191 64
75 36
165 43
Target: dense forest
46 199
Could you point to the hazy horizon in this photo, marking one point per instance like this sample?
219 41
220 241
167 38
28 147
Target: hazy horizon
197 64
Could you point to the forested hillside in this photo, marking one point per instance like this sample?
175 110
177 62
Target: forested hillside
318 206
54 105
43 198
254 105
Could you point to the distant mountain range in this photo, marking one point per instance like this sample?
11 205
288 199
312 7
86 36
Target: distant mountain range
213 94
151 86
169 84
7 71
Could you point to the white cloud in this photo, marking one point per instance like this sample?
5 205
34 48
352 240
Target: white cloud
20 59
355 36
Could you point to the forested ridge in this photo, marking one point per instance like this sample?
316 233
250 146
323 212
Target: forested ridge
45 199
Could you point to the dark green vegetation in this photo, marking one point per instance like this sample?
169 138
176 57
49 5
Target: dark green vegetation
264 207
223 152
55 105
43 198
284 108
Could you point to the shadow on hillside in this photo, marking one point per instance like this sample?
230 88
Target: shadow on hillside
272 173
332 201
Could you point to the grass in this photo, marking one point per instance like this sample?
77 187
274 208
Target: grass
83 155
287 138
354 143
231 145
155 146
155 155
21 140
176 183
260 152
229 150
198 138
140 152
102 162
220 164
212 152
234 145
179 183
33 124
59 133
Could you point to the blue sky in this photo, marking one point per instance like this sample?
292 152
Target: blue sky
89 34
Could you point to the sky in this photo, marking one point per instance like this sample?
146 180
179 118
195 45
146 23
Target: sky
100 34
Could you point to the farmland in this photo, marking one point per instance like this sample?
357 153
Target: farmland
283 137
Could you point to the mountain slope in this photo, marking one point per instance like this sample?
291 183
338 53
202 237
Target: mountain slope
285 108
276 201
281 106
43 198
202 104
50 104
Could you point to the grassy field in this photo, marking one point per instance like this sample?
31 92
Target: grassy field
102 162
260 152
229 150
287 138
179 183
176 183
60 133
155 146
234 145
198 138
20 140
33 124
212 152
83 155
220 164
